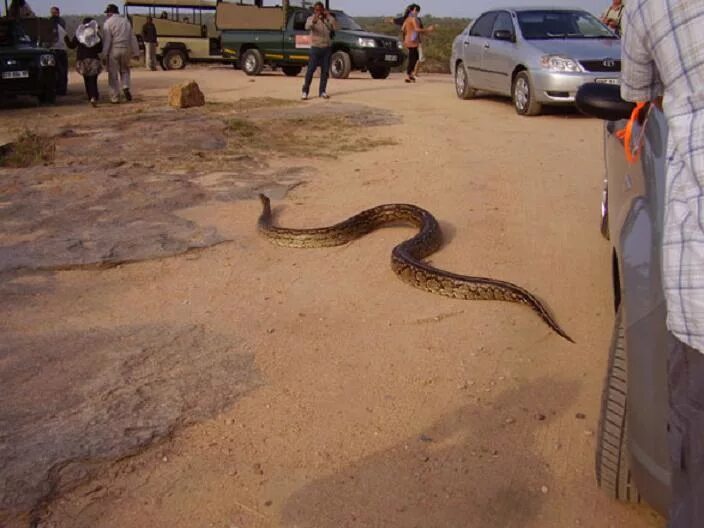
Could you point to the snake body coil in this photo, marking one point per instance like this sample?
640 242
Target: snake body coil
406 258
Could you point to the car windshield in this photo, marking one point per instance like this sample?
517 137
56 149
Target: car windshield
346 22
555 24
6 34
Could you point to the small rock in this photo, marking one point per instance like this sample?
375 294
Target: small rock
510 421
425 438
268 503
186 95
165 459
544 489
580 416
540 417
588 432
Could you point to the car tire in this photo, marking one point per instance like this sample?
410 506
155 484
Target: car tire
523 96
462 87
613 474
291 71
174 59
48 96
379 72
340 65
252 62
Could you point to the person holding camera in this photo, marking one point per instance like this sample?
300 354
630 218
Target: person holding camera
321 25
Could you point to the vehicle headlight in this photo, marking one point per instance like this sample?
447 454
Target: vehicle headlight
399 44
47 60
559 63
366 42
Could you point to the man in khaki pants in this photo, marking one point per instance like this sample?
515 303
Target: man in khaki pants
119 46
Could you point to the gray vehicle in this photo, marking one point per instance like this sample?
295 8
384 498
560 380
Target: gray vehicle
632 460
536 56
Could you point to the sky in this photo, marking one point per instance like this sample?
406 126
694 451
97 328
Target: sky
455 8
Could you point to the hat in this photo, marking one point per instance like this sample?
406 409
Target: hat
112 8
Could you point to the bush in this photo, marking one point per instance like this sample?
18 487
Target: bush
437 46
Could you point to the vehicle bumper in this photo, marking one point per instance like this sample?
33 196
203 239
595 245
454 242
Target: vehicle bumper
368 58
561 88
38 82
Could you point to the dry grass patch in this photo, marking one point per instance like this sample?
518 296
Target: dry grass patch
28 149
315 136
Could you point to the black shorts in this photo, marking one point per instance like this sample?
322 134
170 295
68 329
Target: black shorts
686 436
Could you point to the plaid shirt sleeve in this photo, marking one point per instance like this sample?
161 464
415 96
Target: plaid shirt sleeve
640 80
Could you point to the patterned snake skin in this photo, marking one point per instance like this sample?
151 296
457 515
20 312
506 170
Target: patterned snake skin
406 258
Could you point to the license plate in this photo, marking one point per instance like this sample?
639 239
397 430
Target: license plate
23 74
390 58
609 81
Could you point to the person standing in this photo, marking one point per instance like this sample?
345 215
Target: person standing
119 46
662 56
412 32
149 37
612 16
88 45
399 22
321 25
58 48
20 9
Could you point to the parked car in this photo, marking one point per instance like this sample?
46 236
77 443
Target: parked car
632 461
25 69
184 32
258 35
536 56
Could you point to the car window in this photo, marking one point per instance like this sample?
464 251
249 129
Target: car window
547 24
482 27
299 20
503 23
346 22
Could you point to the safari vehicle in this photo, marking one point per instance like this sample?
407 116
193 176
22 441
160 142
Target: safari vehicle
184 28
25 68
632 457
257 35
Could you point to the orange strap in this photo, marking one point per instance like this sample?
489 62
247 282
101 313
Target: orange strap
626 134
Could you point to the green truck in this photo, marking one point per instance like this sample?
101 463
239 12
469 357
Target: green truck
255 35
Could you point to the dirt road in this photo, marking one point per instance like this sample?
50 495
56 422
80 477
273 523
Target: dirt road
366 403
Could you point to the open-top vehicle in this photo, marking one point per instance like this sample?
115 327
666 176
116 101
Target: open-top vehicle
184 27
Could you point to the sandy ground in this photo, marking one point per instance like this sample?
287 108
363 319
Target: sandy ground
377 404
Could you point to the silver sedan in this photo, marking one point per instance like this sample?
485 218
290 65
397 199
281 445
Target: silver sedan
535 56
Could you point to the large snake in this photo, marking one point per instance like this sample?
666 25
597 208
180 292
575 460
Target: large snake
406 258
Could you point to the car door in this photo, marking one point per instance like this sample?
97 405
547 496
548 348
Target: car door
498 55
473 49
296 38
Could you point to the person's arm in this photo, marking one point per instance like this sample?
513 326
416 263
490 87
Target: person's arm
71 43
309 22
419 29
107 38
640 79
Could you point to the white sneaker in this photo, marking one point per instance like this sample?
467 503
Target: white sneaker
304 96
324 95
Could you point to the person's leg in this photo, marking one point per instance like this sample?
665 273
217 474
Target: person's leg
86 83
114 76
61 71
421 59
686 436
324 70
412 60
150 55
313 62
92 86
125 76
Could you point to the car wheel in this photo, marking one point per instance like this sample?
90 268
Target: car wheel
613 473
252 62
379 72
462 86
291 71
174 59
48 96
340 65
523 96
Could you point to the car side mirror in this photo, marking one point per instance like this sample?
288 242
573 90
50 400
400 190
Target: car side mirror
504 34
603 101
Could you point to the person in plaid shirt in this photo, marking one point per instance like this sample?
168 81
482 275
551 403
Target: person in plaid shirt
663 55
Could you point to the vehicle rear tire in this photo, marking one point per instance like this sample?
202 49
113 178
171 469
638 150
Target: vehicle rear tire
379 72
48 96
462 87
523 96
174 59
340 65
291 71
252 62
613 473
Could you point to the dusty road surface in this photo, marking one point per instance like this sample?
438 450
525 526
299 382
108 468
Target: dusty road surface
163 365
